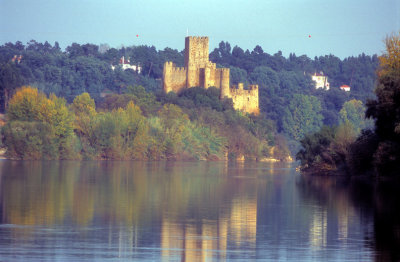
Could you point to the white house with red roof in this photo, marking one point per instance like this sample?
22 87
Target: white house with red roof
126 64
345 88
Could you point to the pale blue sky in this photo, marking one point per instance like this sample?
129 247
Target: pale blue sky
340 27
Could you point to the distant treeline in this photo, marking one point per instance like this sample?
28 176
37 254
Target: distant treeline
285 83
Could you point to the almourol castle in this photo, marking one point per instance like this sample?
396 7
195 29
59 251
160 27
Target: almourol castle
199 71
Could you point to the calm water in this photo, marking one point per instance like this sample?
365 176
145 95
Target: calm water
191 211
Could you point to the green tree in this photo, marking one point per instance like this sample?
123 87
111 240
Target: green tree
361 157
135 132
10 79
237 75
85 120
353 112
174 121
345 135
315 149
29 140
328 149
302 116
145 100
83 104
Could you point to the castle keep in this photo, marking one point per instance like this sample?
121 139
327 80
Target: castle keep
199 71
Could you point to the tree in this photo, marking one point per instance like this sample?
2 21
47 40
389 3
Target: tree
135 132
237 75
268 81
361 156
10 79
173 121
390 61
386 109
25 104
340 148
29 140
83 104
315 146
84 109
29 105
353 112
302 116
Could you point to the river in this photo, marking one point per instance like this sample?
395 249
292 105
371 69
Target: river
191 211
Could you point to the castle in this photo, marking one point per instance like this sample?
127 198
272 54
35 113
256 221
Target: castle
199 71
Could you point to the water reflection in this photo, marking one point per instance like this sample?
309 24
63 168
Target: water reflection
193 204
208 238
190 211
360 209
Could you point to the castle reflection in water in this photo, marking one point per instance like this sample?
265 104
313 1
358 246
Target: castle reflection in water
209 238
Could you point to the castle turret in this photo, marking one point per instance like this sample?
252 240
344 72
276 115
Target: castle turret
166 76
196 51
255 109
225 82
196 57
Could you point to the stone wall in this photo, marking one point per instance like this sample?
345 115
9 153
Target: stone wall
174 78
199 71
245 100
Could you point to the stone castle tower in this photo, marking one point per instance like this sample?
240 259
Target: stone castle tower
199 71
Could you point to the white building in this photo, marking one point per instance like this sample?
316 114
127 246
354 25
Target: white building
345 88
126 64
320 80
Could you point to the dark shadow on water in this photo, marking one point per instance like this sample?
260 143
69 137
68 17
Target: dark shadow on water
376 202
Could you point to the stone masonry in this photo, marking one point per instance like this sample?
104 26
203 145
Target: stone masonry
199 71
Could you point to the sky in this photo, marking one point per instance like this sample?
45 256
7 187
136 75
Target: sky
312 27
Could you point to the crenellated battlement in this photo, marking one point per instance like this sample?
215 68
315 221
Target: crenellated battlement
249 89
245 99
199 71
253 87
211 65
178 69
171 67
198 38
224 70
169 64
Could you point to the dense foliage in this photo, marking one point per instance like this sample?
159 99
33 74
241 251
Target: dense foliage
376 152
87 68
190 126
290 105
81 68
386 110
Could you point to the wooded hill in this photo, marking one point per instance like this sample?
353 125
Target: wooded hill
289 102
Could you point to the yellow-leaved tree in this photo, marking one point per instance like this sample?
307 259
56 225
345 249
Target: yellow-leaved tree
85 120
38 127
390 60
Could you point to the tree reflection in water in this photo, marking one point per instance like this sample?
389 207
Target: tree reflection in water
379 200
192 211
